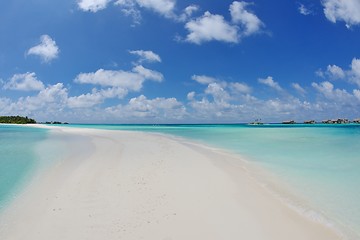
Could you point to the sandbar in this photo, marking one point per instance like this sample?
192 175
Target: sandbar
135 185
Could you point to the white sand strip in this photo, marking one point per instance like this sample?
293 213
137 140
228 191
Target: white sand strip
130 185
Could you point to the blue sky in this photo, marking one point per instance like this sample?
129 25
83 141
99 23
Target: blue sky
171 61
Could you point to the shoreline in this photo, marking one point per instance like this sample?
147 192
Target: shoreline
168 190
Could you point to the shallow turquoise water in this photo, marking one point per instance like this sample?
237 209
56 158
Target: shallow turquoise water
320 163
18 157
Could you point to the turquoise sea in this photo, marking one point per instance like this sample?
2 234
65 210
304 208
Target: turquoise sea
25 151
320 164
18 158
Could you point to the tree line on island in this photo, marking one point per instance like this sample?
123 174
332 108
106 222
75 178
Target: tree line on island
16 120
24 120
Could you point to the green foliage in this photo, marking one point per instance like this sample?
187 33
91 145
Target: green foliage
16 120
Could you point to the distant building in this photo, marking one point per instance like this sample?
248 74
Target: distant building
356 120
336 121
289 122
310 122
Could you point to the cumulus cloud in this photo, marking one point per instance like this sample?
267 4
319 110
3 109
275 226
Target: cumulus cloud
351 75
328 90
163 7
189 10
214 27
240 88
132 8
119 83
220 101
202 79
354 73
215 86
129 8
356 93
24 82
335 72
248 20
146 56
347 11
191 95
131 80
85 100
148 74
96 97
211 27
157 109
51 99
219 94
92 5
298 88
304 10
47 50
269 81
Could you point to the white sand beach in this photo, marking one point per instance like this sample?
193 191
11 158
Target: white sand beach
134 185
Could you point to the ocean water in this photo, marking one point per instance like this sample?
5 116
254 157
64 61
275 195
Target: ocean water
319 163
18 158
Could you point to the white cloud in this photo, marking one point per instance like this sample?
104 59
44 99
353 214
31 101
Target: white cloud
96 97
190 96
47 50
130 80
356 93
111 78
129 8
85 100
148 74
342 10
320 73
24 82
114 92
325 88
219 94
189 10
214 27
269 81
354 73
146 56
93 5
240 87
187 13
335 72
143 109
211 27
202 79
249 21
48 101
298 88
304 10
163 7
337 95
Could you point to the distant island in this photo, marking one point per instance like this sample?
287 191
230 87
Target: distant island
328 121
16 120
